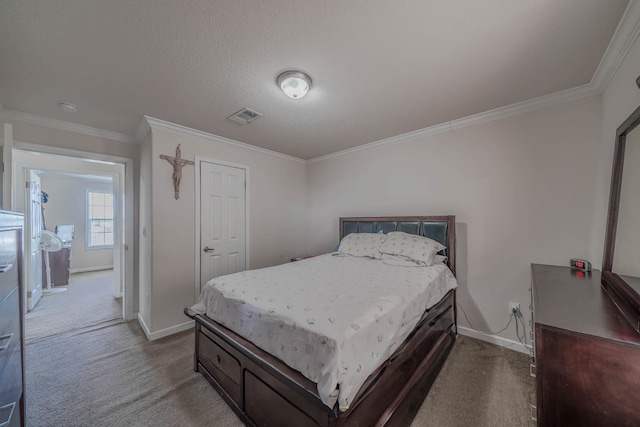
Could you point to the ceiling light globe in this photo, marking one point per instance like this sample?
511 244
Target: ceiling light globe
67 106
294 84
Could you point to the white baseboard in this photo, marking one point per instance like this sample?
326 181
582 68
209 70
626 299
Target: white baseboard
151 336
494 339
144 327
87 269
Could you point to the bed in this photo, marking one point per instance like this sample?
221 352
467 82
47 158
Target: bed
264 389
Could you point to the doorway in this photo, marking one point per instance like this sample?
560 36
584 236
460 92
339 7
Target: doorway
104 175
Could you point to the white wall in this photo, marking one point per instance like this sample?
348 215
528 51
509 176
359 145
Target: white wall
67 205
521 189
276 215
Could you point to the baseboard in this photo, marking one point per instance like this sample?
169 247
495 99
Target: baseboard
87 269
144 327
494 339
151 336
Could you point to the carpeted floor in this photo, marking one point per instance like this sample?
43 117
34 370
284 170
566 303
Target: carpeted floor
88 302
103 372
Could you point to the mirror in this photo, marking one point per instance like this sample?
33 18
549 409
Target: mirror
621 264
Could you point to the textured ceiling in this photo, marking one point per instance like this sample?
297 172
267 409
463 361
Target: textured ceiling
380 68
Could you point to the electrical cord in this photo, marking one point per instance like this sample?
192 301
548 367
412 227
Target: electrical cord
524 331
488 333
511 316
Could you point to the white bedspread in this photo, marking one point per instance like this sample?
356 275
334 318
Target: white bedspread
335 319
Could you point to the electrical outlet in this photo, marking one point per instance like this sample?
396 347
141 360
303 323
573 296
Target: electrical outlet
514 306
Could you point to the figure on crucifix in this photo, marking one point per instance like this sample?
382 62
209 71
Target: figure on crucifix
177 162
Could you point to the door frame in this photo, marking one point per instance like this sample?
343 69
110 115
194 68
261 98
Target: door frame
125 217
197 176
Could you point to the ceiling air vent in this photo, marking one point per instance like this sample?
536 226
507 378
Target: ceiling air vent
244 116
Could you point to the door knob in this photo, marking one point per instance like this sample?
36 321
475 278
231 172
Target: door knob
208 249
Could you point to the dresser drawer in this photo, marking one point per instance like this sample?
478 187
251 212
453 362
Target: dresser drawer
8 262
11 390
9 326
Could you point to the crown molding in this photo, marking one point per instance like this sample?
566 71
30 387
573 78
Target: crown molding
8 114
183 130
476 119
143 129
622 40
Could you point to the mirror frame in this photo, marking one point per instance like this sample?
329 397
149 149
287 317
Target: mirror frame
623 294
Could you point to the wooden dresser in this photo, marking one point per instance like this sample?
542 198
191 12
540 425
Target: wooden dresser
11 321
586 355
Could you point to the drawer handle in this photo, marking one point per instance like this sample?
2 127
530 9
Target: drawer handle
7 339
532 370
6 413
3 269
218 357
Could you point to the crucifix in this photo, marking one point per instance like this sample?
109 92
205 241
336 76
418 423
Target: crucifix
177 162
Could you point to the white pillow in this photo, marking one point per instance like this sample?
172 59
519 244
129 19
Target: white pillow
404 261
439 259
401 261
417 248
362 244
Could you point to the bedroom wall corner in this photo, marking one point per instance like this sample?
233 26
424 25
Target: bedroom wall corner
520 187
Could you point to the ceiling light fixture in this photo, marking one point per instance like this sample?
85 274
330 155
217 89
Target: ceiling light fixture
68 107
295 84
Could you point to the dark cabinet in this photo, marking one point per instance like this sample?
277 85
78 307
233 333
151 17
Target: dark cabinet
11 321
60 263
586 354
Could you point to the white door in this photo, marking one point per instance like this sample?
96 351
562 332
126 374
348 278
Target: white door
222 220
33 251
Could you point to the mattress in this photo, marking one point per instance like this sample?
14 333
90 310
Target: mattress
333 318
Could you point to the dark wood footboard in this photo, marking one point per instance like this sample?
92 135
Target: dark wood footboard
263 391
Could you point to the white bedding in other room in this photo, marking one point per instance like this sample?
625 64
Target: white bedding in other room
333 318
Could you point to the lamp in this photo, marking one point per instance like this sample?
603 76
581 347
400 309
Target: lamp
295 84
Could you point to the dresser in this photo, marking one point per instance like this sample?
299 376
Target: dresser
11 321
586 356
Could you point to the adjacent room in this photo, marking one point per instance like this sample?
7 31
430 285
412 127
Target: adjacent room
368 213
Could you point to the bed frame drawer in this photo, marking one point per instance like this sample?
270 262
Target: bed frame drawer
224 367
266 406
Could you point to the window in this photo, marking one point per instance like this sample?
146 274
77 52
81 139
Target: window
99 219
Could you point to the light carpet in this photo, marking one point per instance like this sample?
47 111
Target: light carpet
88 302
106 373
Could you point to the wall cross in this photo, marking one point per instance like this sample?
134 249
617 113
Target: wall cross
177 162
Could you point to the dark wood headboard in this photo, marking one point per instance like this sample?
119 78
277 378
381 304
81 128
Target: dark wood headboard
439 228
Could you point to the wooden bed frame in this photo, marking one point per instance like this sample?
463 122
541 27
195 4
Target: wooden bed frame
263 391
